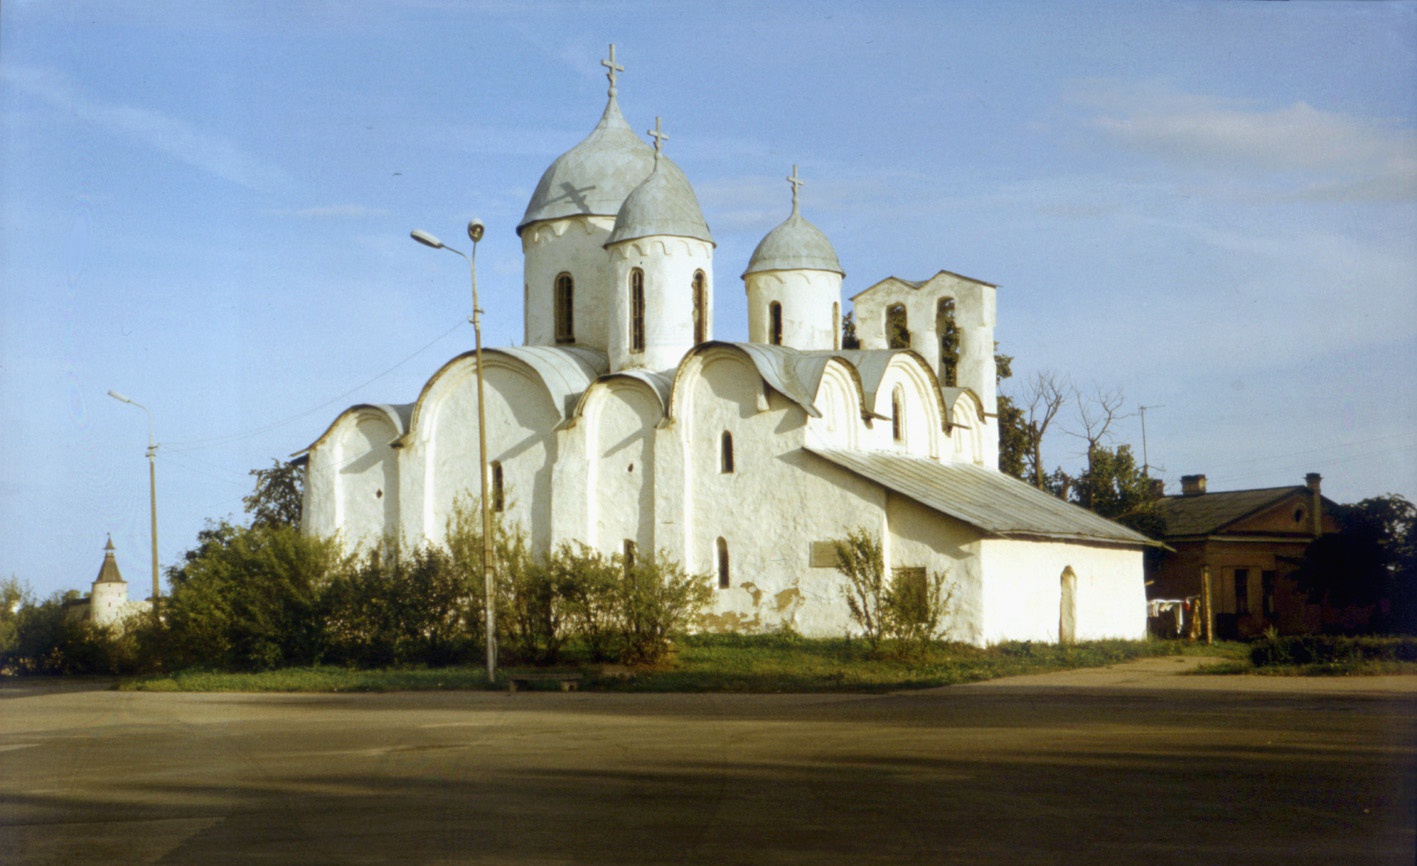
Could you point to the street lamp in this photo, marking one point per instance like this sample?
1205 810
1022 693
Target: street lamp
475 231
152 493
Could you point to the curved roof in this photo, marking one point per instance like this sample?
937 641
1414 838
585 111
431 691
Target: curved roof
795 245
659 383
796 374
566 371
595 176
664 204
398 414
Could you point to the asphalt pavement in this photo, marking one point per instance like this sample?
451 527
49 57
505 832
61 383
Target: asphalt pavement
1134 764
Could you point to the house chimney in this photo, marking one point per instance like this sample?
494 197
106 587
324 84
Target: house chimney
1314 482
1158 487
1192 485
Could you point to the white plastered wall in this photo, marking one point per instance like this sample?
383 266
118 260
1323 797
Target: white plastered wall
1022 596
441 462
669 265
811 307
922 428
777 501
924 538
621 416
357 470
573 245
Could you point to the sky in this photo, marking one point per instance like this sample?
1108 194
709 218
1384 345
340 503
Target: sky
1211 206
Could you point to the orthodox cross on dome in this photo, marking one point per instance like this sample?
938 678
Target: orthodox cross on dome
612 67
659 138
797 183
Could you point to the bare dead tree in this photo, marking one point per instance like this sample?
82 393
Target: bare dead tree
1096 413
1047 393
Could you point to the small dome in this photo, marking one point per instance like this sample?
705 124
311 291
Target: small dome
595 176
796 245
664 204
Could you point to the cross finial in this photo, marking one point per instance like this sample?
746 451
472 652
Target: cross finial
612 67
659 138
797 184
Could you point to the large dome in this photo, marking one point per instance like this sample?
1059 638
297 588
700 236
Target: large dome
664 204
794 246
595 176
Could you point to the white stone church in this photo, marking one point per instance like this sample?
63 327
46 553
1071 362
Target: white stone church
621 422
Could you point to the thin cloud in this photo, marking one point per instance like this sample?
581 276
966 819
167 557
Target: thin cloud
170 135
1311 153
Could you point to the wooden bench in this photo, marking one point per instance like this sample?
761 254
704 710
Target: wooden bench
568 682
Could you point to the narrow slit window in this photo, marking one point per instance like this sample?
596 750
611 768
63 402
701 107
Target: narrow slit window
897 327
565 309
630 549
700 308
897 415
836 325
725 464
497 495
637 310
775 323
723 578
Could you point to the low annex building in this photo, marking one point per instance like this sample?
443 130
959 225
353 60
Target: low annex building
622 423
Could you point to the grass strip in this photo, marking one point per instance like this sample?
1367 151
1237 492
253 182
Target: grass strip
720 663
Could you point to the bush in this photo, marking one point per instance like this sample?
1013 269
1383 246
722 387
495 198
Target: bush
658 599
248 598
909 610
397 609
1329 649
588 583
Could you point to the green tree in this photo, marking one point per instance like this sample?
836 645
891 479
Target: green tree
246 598
1112 485
849 340
278 497
1371 561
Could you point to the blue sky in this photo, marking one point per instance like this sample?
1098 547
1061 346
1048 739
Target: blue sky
206 206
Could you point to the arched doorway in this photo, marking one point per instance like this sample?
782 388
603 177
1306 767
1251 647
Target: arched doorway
1068 607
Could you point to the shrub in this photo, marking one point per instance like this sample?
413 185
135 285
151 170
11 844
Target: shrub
247 598
587 583
909 610
398 609
658 598
1327 649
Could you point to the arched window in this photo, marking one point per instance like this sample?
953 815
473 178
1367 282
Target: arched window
565 309
775 323
897 327
723 580
948 333
700 307
637 310
630 549
725 461
836 325
897 415
497 495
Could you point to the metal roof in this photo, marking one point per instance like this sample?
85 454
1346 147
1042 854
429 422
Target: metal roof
664 204
794 245
1207 513
996 503
108 572
595 176
566 371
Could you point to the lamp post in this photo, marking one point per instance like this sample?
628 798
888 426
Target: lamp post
152 494
475 230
